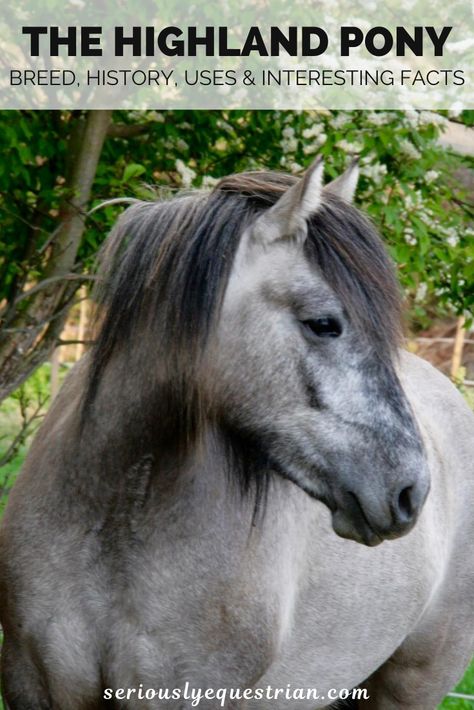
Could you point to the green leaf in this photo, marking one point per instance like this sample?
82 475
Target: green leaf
132 171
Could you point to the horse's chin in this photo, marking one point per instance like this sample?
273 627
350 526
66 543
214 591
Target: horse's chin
362 532
348 524
344 527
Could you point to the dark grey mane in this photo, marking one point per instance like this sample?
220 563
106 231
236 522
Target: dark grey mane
166 265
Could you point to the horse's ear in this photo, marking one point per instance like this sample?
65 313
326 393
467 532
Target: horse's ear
345 185
287 217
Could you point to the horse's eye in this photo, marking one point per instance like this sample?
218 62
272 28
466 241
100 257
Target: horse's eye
325 327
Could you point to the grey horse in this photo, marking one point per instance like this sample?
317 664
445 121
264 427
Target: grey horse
246 483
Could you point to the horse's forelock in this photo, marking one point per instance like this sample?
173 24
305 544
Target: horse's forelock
355 263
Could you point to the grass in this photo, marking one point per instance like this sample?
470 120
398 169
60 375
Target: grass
466 686
23 404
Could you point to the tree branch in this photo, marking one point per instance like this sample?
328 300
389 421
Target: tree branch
125 130
52 280
74 342
24 340
20 437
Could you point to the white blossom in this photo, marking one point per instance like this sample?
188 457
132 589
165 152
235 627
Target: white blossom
421 292
313 131
374 172
411 118
410 237
314 146
186 173
452 237
379 118
430 118
156 116
431 176
208 181
409 150
225 126
413 199
351 148
341 119
289 145
288 132
295 168
181 145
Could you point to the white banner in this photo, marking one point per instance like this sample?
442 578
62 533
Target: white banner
237 54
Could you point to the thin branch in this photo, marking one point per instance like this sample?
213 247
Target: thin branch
53 279
30 225
50 239
465 205
74 342
67 305
20 437
124 130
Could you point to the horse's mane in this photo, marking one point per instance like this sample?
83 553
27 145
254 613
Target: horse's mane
165 267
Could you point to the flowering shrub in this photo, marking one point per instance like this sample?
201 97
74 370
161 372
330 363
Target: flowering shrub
408 187
408 182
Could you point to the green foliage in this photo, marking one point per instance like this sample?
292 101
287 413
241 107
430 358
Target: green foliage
408 183
20 416
468 117
466 687
408 188
32 145
132 171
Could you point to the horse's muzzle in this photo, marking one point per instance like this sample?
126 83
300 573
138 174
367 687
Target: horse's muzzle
370 517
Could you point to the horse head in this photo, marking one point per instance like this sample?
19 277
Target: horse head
305 354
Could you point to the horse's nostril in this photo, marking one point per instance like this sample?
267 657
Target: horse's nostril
405 511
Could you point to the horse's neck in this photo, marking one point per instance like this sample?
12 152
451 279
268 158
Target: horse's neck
187 511
129 448
127 441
